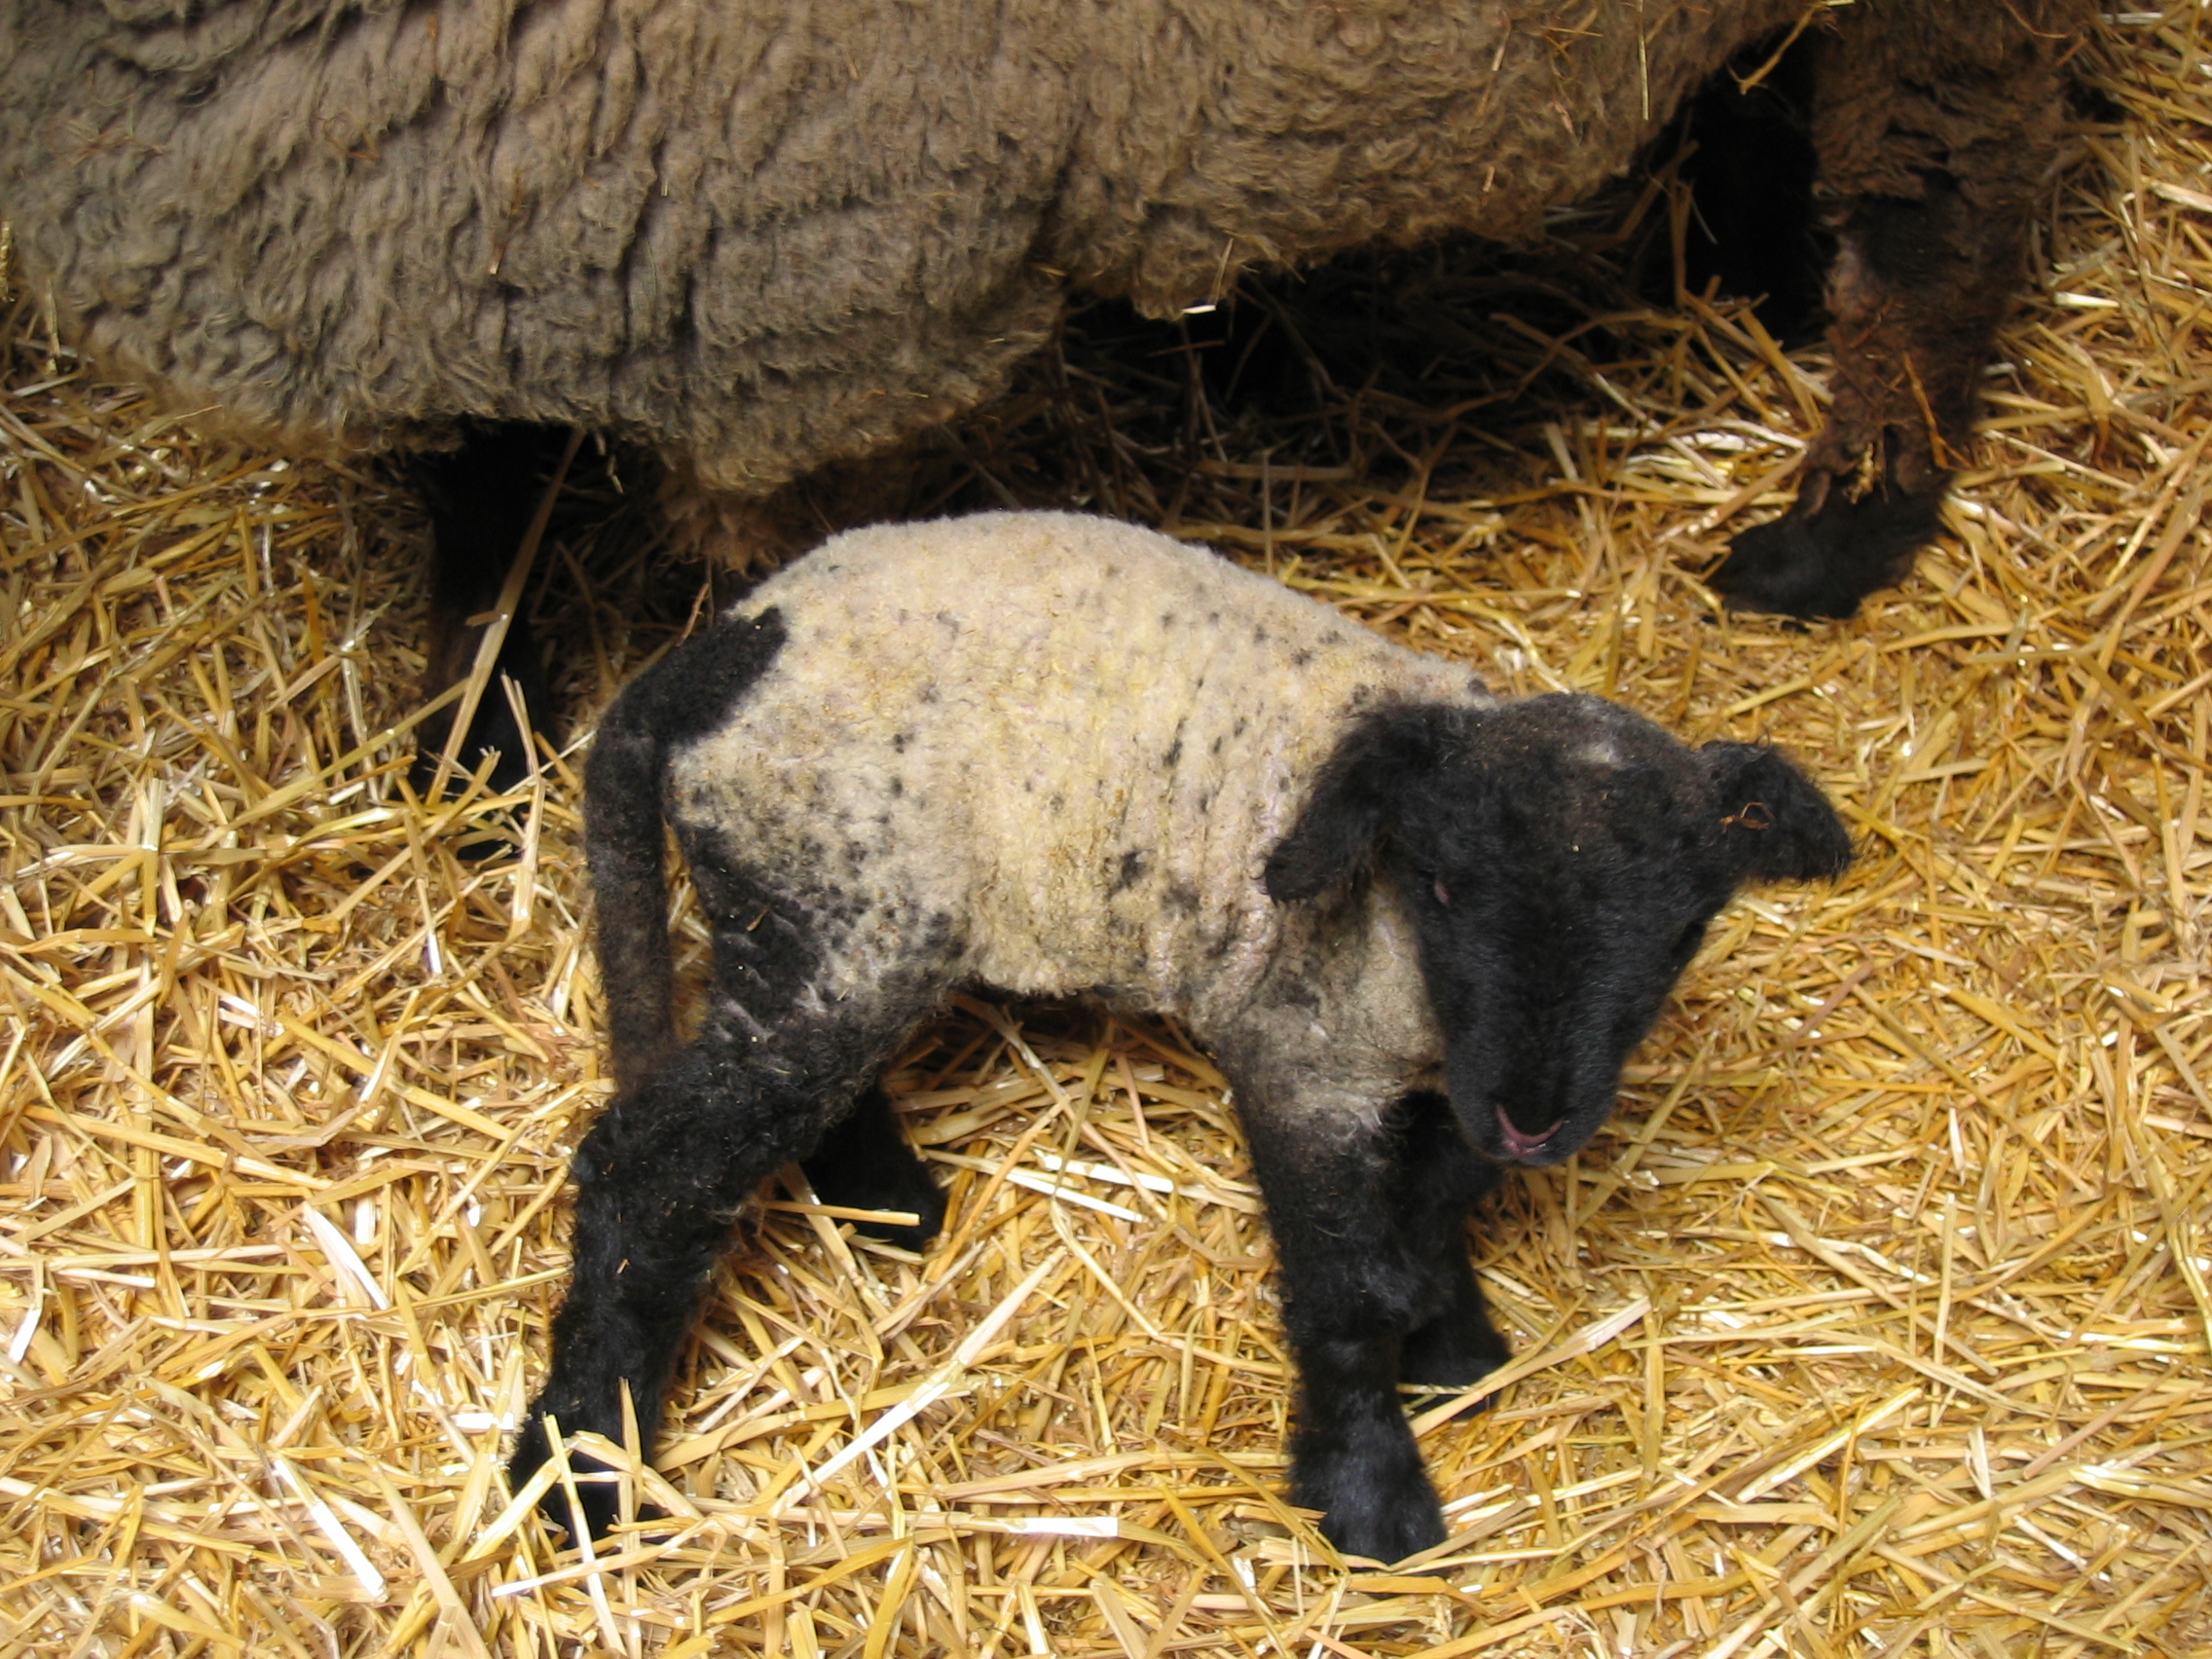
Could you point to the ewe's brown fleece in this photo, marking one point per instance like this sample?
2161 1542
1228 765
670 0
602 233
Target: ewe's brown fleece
764 235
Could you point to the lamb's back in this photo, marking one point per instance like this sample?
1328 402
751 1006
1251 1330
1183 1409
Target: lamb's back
1071 741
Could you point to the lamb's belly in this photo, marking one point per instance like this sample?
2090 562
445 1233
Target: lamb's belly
1129 954
1106 870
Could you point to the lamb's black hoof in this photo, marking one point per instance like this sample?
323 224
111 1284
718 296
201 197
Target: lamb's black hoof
1372 1492
895 1186
1453 1352
596 1497
865 1164
1822 565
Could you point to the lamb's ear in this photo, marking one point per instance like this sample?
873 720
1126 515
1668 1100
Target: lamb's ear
1355 799
1775 824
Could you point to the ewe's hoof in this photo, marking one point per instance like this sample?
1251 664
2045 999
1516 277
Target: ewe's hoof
1824 565
494 728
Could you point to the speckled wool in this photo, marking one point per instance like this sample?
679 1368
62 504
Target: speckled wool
1070 741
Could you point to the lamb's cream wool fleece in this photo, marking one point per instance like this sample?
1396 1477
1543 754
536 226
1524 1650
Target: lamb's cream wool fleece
763 235
1418 931
1070 742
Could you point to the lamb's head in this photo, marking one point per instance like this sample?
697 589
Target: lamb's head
1561 857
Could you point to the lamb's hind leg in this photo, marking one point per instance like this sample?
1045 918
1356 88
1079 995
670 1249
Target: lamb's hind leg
659 1179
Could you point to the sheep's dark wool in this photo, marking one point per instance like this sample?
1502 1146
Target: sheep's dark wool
478 496
763 237
1419 929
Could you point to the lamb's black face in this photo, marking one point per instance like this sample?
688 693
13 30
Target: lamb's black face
1561 857
1562 877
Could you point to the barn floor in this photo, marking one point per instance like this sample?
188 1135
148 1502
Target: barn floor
1876 1323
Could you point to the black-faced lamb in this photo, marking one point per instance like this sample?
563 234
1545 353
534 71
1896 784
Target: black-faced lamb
1418 928
769 238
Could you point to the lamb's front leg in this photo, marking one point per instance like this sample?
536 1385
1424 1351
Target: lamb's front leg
1351 1291
865 1162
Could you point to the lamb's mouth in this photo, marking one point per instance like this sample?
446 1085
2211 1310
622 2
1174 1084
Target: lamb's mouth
1521 1146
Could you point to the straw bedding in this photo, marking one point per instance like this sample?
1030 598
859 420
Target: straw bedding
1877 1322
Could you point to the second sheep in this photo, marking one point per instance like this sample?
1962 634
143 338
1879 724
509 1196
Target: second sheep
1420 929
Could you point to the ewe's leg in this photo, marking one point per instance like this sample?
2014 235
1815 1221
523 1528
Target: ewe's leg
480 499
1749 165
863 1162
1441 1182
658 1180
1935 126
1351 1289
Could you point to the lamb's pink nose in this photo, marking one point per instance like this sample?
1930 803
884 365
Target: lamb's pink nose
1519 1144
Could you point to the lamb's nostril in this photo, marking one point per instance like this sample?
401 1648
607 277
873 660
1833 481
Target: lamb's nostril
1518 1142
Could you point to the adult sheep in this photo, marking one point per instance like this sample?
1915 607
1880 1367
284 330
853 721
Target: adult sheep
769 238
1418 929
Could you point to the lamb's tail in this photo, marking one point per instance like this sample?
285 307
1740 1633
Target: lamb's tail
683 698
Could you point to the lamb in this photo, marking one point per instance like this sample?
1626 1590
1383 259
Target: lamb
767 239
1419 929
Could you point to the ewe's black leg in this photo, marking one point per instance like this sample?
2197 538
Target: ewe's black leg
1749 169
658 1180
480 499
1911 334
1441 1181
863 1162
1352 1290
1935 135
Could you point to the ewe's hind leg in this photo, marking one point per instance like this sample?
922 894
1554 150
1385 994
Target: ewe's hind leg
1935 126
658 1180
1351 1289
1442 1181
863 1162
